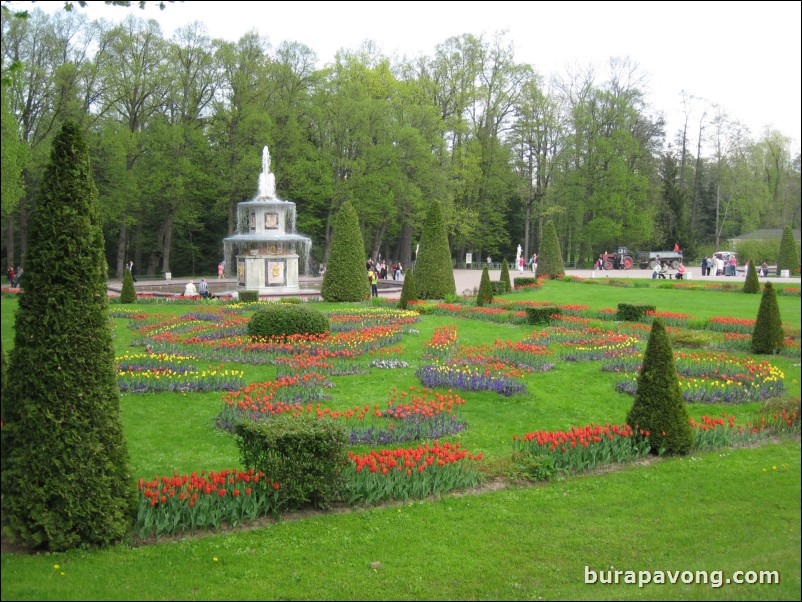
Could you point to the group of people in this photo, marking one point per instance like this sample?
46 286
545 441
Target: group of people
660 270
721 267
14 276
202 289
380 267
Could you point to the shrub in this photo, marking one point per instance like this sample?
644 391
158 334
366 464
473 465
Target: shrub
767 336
128 292
485 295
302 453
504 278
248 296
434 274
542 315
659 407
281 319
65 476
789 256
498 287
549 257
291 300
346 278
633 312
751 284
409 292
525 281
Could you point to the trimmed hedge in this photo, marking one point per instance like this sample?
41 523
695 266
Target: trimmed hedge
346 277
504 278
248 296
64 465
752 283
633 312
789 256
520 281
767 335
659 408
128 291
485 294
434 273
282 319
303 454
549 258
409 292
542 315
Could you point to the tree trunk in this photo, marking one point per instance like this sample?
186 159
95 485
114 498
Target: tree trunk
405 245
10 242
122 244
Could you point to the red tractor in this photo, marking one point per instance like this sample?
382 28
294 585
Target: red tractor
620 260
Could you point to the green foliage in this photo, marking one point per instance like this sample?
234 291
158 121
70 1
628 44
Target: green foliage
504 278
128 292
549 257
65 477
248 296
3 373
752 283
485 295
789 255
303 454
522 281
14 156
498 287
758 251
633 312
346 278
767 336
282 319
659 407
433 269
409 292
542 314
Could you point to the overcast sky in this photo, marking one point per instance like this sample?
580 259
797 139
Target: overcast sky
742 56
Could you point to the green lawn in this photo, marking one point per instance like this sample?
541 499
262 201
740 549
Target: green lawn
731 510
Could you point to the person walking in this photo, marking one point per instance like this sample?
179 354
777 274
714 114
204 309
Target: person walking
220 269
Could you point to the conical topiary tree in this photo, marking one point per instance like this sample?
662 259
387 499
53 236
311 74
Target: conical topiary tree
767 335
549 257
505 276
434 274
409 292
789 258
128 291
65 477
659 407
485 294
346 278
752 283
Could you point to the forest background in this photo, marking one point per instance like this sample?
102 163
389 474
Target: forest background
176 129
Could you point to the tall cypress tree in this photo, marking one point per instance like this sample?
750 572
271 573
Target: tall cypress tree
65 477
789 258
504 278
767 335
752 283
549 258
128 291
346 278
659 407
434 273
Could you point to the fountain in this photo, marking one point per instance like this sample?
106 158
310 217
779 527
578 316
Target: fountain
266 247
